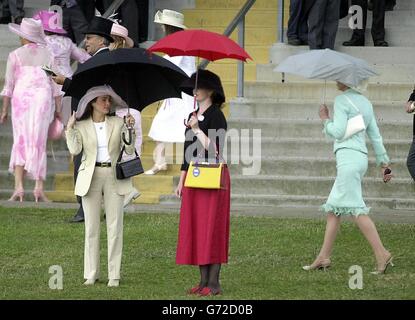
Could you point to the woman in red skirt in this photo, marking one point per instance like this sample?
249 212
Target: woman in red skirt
204 214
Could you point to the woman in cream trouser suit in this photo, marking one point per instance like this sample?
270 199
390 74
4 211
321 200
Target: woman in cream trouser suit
100 138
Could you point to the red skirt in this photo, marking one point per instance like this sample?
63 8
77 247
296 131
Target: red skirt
204 225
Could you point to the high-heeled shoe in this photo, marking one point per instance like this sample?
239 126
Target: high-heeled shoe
156 168
40 195
206 292
382 269
195 290
322 264
18 193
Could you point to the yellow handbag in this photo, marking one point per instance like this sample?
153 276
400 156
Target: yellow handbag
204 175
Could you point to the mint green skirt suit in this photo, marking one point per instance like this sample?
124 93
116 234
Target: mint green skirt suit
351 155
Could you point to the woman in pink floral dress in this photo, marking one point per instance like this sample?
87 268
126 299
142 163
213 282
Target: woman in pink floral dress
31 94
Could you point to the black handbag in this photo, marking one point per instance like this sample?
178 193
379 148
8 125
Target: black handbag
129 168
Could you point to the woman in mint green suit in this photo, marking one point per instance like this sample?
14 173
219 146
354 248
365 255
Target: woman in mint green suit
345 198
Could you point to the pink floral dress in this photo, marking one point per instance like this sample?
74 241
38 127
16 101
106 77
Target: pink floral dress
32 107
63 50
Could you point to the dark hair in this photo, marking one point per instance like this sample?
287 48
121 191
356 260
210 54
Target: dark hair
88 110
171 29
217 100
106 42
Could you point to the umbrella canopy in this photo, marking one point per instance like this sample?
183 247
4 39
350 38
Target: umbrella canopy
328 65
211 46
137 76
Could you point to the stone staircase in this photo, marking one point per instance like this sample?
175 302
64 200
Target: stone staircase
260 35
298 167
297 164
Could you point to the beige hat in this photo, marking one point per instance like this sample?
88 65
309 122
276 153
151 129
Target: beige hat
121 31
171 18
95 92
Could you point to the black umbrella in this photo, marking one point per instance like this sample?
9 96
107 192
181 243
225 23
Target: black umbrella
136 75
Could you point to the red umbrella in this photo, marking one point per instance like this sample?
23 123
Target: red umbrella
204 44
200 43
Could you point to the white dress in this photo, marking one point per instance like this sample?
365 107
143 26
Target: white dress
168 124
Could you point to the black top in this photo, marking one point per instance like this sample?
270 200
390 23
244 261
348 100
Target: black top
213 121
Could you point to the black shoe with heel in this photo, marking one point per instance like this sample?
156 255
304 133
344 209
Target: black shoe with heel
79 217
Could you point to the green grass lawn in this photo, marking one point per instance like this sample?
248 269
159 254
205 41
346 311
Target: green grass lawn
266 255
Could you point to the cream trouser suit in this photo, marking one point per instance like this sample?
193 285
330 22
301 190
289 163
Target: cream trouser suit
96 183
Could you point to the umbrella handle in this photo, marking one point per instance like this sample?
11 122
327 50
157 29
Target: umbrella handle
130 139
185 122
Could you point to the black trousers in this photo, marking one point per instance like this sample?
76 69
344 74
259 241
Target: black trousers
297 24
75 23
378 26
323 22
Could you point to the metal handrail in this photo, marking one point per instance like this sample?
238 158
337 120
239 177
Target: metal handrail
238 21
280 21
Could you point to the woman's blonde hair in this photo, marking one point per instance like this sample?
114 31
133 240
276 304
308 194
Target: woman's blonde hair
119 42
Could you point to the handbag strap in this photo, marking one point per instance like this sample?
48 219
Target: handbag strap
351 102
217 155
122 152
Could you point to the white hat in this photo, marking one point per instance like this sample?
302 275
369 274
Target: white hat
119 30
171 18
29 29
99 91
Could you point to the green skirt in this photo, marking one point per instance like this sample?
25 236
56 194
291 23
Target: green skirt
346 195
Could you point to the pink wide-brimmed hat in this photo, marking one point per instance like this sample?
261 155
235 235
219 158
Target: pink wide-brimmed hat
29 29
121 31
105 90
51 21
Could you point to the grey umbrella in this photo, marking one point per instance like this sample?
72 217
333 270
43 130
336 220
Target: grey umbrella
327 65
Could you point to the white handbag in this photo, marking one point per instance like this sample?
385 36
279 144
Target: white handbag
355 124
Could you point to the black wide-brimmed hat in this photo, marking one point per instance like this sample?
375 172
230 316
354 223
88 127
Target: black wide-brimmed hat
100 26
206 80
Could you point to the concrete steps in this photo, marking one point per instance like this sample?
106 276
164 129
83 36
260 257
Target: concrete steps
272 128
396 73
297 147
373 55
295 109
298 167
315 90
312 165
397 36
321 186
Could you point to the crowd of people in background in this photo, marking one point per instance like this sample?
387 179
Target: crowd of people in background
77 14
315 22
